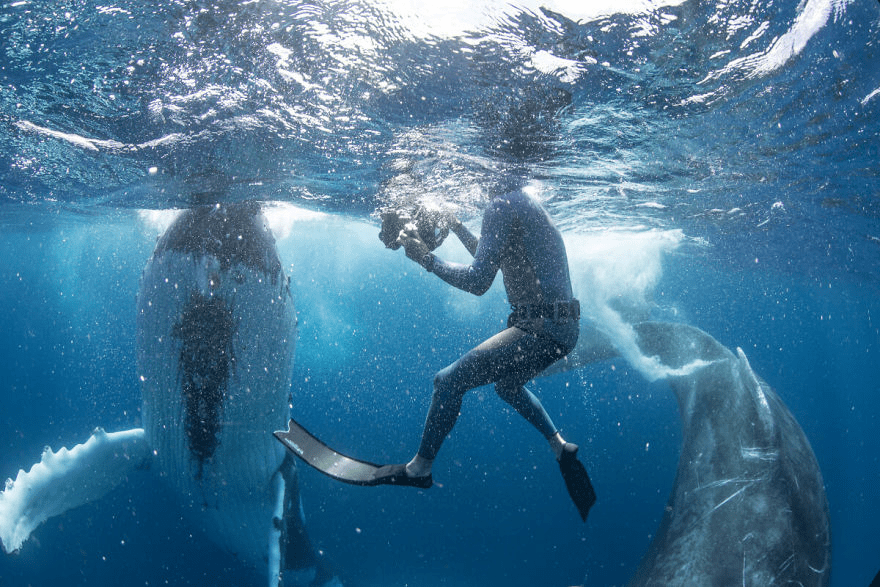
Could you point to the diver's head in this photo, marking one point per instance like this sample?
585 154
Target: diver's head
506 183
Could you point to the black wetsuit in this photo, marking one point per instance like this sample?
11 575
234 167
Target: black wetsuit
519 239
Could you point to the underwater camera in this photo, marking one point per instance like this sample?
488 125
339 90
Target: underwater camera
430 226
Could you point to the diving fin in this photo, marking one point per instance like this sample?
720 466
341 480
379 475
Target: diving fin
343 468
577 481
396 475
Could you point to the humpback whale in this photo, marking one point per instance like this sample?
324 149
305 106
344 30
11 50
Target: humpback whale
216 331
748 505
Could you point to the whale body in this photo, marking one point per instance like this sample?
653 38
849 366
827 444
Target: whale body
216 332
748 505
215 345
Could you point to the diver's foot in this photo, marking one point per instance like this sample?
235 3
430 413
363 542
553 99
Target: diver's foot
419 466
397 475
559 446
568 452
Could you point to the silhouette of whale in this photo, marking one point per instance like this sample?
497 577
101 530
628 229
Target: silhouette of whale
216 332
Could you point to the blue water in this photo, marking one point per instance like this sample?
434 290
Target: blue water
746 135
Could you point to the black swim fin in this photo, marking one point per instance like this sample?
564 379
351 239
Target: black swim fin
577 481
332 463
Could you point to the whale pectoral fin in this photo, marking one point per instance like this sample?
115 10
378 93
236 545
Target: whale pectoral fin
67 479
297 554
675 345
296 547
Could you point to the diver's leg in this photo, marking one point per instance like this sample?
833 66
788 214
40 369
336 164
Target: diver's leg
532 354
480 366
449 390
441 418
528 406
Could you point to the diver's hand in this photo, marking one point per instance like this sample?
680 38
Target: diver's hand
415 247
446 219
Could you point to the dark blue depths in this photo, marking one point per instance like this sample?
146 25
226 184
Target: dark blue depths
365 360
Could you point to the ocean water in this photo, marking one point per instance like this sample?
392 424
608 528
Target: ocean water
709 162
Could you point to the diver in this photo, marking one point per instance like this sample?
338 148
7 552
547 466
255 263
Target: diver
518 238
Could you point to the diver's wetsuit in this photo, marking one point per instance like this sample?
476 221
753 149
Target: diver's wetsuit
520 239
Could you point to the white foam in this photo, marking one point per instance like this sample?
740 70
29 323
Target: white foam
281 217
812 17
614 275
89 144
455 17
159 220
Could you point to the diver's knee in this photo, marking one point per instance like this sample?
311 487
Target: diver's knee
444 383
441 379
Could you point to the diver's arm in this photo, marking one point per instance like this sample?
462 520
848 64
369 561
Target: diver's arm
477 277
466 237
